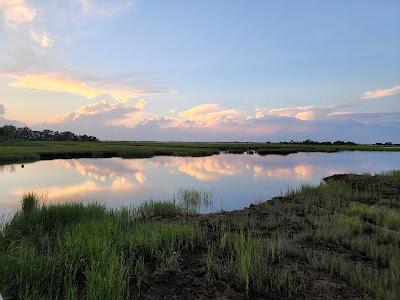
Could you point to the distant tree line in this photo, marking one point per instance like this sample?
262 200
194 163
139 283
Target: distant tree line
386 144
9 132
311 142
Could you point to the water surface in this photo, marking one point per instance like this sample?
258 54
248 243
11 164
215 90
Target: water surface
236 180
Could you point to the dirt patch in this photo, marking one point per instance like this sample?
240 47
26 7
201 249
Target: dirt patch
281 215
189 281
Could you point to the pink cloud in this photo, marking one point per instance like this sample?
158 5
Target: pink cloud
379 93
209 115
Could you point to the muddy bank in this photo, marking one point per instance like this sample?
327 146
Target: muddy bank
329 264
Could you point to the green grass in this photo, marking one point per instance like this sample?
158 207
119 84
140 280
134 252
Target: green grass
184 202
254 264
358 242
382 216
163 209
29 202
85 252
194 200
343 229
347 228
25 151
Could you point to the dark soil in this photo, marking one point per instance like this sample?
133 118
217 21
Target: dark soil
190 280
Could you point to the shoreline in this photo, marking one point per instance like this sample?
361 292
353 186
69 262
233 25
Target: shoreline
24 152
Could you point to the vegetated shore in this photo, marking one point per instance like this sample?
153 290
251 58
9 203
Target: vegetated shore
338 240
28 151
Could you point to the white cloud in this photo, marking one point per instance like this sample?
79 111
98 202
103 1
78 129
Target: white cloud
20 20
16 12
373 94
42 39
103 111
304 113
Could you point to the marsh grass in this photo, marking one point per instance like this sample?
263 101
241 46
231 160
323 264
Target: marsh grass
77 251
252 263
356 231
394 174
156 208
184 202
30 201
389 218
347 228
27 151
247 262
194 200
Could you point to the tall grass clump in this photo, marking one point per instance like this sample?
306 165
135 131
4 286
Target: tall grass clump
162 209
184 202
30 201
252 263
194 200
247 262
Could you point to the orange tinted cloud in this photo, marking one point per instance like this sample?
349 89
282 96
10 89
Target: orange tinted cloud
56 194
140 177
61 83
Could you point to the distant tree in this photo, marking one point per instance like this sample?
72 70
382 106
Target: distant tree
343 143
9 132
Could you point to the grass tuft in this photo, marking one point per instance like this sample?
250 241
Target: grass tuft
30 201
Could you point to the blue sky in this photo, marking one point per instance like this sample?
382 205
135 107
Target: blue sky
129 69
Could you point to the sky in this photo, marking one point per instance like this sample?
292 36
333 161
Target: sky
211 70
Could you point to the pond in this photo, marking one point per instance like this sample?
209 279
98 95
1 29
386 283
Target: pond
236 180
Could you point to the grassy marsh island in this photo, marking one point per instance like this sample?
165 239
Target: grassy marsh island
338 240
18 151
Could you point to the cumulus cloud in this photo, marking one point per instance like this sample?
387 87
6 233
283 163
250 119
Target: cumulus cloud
208 115
100 113
373 94
16 12
212 122
62 83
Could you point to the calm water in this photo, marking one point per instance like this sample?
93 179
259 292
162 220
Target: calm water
236 180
